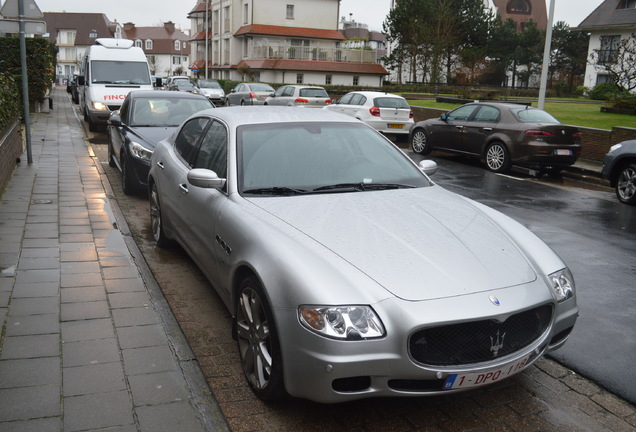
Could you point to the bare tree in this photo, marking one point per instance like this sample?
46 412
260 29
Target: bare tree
618 60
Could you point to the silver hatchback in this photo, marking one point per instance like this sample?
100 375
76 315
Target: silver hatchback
300 96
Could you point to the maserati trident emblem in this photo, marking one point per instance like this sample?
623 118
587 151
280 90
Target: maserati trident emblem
496 344
494 300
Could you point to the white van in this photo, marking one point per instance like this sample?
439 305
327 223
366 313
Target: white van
109 71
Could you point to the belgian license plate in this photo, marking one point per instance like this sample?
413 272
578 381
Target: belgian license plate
396 126
563 152
476 379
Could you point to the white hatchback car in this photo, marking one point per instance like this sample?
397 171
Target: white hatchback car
385 112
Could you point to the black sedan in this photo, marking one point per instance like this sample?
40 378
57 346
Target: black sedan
145 118
619 167
502 134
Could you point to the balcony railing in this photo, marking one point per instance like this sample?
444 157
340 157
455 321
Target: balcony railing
309 53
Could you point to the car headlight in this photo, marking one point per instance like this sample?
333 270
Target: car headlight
342 322
100 106
562 283
140 152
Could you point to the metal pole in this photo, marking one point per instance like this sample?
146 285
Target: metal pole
546 57
206 38
25 81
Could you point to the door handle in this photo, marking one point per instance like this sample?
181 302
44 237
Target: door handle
459 127
183 188
488 129
160 164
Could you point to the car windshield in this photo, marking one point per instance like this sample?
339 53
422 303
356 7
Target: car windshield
165 112
533 116
261 88
389 102
290 158
119 72
313 92
209 84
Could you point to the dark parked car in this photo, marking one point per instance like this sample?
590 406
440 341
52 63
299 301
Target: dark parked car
619 167
184 86
71 88
145 118
502 134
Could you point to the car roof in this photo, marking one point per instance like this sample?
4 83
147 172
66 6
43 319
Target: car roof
509 105
164 94
240 115
373 94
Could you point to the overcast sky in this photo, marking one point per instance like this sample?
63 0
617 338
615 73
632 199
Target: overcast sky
371 12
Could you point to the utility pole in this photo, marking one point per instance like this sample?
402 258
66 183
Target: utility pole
546 57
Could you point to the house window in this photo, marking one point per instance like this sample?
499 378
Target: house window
299 78
67 37
519 7
138 43
176 60
627 4
328 79
609 49
290 11
356 80
149 44
600 79
246 14
177 45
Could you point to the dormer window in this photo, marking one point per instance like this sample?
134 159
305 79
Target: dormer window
138 43
148 44
177 45
519 7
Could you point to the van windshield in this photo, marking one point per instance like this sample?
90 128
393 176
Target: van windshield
119 72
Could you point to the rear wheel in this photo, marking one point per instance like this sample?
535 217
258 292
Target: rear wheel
419 142
626 185
497 158
258 343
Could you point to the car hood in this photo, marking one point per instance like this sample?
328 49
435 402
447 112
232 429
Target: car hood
419 244
152 135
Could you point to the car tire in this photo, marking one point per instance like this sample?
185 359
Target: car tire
420 143
127 185
227 102
258 343
156 219
242 103
111 156
497 157
626 184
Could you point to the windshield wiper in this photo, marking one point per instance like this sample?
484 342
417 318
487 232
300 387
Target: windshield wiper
277 190
359 187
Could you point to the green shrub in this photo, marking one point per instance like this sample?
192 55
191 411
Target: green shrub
603 91
39 64
10 99
625 100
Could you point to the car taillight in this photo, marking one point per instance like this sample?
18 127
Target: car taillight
538 133
576 135
252 95
411 114
375 111
301 100
328 101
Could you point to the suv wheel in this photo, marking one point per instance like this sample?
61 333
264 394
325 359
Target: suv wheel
626 185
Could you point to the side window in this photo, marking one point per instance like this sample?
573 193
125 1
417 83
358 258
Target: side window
357 99
185 143
462 113
289 91
487 114
213 151
280 91
123 111
346 99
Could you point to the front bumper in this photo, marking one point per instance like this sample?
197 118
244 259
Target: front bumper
328 371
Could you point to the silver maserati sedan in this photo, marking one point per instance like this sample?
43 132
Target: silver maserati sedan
347 271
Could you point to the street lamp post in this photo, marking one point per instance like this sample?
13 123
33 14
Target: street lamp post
546 57
207 10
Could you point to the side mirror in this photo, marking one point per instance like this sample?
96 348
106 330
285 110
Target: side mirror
233 90
429 167
159 82
205 178
444 117
114 119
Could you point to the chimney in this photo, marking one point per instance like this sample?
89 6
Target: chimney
169 26
128 26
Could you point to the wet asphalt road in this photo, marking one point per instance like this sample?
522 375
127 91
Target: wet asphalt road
595 235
